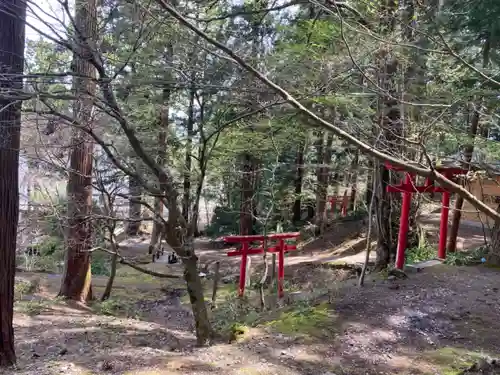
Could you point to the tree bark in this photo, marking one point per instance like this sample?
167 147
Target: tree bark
493 257
110 227
134 207
385 202
370 174
354 181
12 16
390 127
382 214
193 224
109 285
186 201
185 249
246 204
324 158
299 176
158 229
76 280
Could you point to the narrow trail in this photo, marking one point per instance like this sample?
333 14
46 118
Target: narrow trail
387 327
342 244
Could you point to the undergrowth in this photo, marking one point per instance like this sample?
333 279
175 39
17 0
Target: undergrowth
116 307
35 306
25 287
458 258
420 254
233 316
451 360
50 258
467 258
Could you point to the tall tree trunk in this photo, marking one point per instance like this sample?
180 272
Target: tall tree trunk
12 16
193 224
185 250
76 280
186 200
158 229
354 181
134 207
246 204
382 211
109 285
369 184
323 171
387 223
390 126
157 226
108 208
299 176
493 257
320 186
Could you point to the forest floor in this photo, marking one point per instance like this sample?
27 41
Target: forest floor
439 321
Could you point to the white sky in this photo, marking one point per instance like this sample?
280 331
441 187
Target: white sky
45 15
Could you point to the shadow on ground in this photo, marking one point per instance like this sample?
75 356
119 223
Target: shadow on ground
438 321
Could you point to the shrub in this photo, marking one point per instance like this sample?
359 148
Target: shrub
31 308
115 307
51 246
25 287
101 263
420 254
225 220
466 258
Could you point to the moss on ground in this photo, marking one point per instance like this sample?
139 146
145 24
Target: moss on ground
452 361
31 308
238 332
117 307
305 320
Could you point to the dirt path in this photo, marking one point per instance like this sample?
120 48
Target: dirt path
402 327
471 234
342 243
435 322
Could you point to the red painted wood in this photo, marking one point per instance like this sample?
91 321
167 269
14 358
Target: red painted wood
281 268
333 202
443 229
243 269
404 225
345 200
260 250
414 189
246 250
407 188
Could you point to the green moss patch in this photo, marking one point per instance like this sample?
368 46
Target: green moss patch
305 320
238 331
452 361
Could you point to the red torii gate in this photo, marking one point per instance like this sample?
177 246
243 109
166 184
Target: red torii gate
333 199
281 248
407 188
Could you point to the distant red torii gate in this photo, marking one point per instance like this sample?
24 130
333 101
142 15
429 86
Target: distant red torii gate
407 188
281 248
